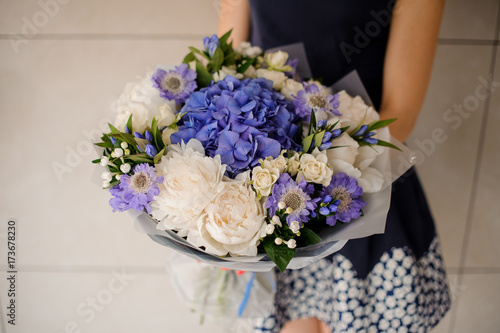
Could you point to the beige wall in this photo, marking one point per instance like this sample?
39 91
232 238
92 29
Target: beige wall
56 87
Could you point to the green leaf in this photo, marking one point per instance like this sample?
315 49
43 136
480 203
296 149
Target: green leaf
217 59
223 39
140 158
142 143
188 58
158 141
97 160
312 122
203 77
279 254
318 138
306 143
387 144
129 123
379 124
113 129
195 50
104 144
128 138
158 156
308 237
245 66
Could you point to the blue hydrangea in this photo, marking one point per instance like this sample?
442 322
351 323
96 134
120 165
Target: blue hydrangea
242 121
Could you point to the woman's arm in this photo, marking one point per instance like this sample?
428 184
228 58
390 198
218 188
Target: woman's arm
408 62
234 14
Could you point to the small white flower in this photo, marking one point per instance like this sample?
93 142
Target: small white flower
276 220
225 71
117 177
118 152
295 227
127 152
277 60
264 179
104 161
291 88
278 241
124 145
269 228
292 244
293 164
248 50
278 78
289 210
314 168
106 175
281 205
105 184
125 168
113 155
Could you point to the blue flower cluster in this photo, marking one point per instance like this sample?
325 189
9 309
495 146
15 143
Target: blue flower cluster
242 121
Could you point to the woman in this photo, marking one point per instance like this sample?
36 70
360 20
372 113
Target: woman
383 283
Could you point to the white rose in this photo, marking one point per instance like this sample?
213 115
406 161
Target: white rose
355 109
191 180
291 88
250 72
366 156
264 179
166 117
276 60
278 78
225 71
165 135
314 168
233 222
347 149
293 164
248 50
280 163
141 100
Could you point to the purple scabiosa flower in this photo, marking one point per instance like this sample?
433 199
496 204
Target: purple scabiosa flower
210 44
292 63
346 195
312 98
294 196
242 121
176 84
136 191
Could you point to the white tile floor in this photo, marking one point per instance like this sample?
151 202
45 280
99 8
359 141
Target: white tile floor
56 88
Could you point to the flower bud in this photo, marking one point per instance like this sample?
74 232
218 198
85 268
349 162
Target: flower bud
106 175
118 152
125 168
278 241
295 227
276 220
269 228
127 152
281 205
104 161
124 145
289 210
292 244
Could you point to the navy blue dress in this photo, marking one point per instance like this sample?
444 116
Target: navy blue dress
393 282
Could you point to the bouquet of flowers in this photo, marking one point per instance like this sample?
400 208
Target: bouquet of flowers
234 157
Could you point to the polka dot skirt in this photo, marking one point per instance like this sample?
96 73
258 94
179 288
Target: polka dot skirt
400 294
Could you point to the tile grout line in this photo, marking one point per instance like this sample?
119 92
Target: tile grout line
477 169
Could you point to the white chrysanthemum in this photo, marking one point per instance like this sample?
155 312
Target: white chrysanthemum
141 100
346 149
233 222
191 181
